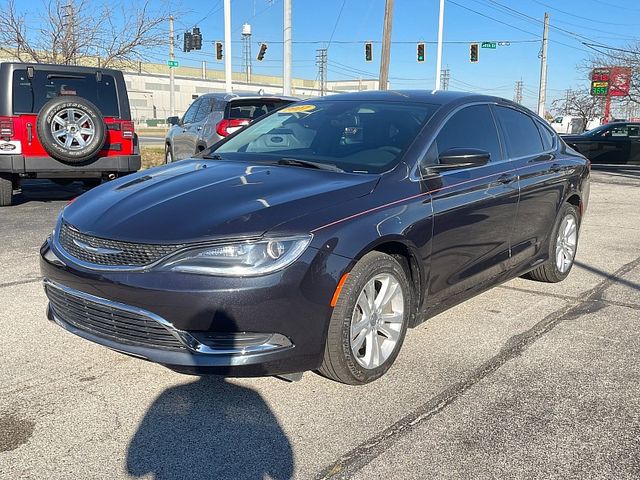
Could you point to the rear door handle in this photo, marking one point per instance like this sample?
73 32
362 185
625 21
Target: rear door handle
506 178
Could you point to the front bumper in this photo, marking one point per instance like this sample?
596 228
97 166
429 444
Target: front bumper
286 312
44 166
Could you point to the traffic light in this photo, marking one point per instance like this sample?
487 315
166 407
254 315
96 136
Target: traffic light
473 53
368 52
263 50
218 50
188 42
420 52
197 39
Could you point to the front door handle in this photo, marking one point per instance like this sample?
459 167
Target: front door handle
556 167
506 178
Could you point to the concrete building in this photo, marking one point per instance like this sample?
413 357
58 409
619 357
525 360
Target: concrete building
148 87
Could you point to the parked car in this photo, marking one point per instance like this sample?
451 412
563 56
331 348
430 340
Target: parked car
616 143
213 116
63 123
314 237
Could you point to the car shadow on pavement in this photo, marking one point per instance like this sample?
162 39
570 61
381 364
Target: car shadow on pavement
47 191
210 428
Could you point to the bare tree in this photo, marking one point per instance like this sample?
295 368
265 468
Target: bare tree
78 31
579 103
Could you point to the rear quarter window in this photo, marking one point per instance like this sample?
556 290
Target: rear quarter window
522 134
30 94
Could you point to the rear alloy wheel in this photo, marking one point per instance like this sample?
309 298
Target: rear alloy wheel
562 248
369 321
6 190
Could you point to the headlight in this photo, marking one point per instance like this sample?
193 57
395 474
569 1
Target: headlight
239 259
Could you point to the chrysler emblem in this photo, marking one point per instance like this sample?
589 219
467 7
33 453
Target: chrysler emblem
96 250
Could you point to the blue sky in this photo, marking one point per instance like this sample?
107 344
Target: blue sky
611 22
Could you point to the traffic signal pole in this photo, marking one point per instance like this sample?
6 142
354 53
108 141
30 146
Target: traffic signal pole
542 92
172 85
227 44
439 53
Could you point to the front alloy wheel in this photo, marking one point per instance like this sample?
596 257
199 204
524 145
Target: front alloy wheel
376 323
369 320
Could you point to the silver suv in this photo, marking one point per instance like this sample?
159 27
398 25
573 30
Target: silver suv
213 116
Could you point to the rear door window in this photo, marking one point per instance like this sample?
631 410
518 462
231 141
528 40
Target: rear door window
523 137
203 110
471 127
253 109
30 94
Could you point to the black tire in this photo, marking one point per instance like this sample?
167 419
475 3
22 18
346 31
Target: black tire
339 363
6 190
548 272
75 153
168 154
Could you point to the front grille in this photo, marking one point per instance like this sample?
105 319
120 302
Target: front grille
101 251
110 322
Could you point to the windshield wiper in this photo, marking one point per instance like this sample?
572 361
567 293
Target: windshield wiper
296 162
212 156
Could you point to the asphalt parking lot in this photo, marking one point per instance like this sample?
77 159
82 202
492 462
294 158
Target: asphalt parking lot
528 380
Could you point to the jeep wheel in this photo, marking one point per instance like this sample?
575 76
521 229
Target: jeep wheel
71 129
6 190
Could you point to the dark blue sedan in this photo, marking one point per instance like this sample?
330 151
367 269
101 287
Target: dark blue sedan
314 237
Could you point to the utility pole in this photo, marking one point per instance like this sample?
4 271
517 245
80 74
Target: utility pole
439 53
542 92
321 62
444 79
386 45
517 97
69 33
227 47
286 37
568 93
172 83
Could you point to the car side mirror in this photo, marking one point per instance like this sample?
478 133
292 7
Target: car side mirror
463 158
173 120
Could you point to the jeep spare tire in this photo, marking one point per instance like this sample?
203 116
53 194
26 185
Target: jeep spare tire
71 129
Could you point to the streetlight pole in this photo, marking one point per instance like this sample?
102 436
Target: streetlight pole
286 33
172 84
439 53
227 46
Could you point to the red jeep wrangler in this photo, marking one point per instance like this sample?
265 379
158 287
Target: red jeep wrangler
63 123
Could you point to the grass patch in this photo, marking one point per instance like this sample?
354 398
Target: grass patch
152 156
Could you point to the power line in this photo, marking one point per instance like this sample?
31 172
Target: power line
336 24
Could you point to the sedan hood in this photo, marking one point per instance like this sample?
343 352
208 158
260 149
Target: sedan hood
575 138
199 200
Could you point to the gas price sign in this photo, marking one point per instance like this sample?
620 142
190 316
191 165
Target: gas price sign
600 81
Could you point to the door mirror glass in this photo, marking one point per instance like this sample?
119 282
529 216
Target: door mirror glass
464 157
173 120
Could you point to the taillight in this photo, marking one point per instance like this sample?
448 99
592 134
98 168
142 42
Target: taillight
127 129
227 127
6 127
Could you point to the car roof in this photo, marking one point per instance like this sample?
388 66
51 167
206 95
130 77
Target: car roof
224 96
434 97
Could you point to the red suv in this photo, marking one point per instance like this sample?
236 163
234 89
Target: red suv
63 123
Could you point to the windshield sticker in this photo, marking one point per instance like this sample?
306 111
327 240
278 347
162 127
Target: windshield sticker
298 108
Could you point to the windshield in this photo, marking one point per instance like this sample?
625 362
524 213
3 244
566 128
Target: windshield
355 136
